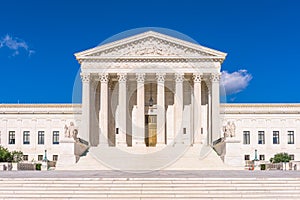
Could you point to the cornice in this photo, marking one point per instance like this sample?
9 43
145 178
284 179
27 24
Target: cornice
272 108
40 108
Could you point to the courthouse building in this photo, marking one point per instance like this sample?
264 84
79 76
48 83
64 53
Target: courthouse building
151 94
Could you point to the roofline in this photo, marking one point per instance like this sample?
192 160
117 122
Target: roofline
147 34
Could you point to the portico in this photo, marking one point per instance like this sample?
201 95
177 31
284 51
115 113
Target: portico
150 89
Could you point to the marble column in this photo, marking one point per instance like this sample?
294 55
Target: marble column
103 113
160 77
138 138
122 109
84 133
209 135
178 105
215 106
197 108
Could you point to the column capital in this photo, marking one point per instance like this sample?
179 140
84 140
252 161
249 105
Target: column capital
122 77
160 77
215 77
103 77
197 77
85 77
140 77
179 77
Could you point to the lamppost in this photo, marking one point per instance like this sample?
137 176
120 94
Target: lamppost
45 162
255 159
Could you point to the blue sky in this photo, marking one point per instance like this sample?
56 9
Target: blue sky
38 40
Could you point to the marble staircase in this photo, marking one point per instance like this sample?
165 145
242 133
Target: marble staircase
177 157
149 188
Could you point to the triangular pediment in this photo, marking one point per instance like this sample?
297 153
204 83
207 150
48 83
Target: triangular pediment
150 44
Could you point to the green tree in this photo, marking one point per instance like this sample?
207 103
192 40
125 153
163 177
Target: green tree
5 155
16 156
280 157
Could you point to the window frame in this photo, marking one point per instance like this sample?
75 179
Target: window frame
39 157
276 134
246 137
26 135
11 137
54 156
291 133
55 137
247 156
262 156
262 135
41 135
25 156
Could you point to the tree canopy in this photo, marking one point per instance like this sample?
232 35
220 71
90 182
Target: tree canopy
7 156
280 157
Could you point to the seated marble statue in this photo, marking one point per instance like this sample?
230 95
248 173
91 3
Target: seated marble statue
71 131
229 129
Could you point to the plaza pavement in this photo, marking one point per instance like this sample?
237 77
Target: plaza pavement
152 174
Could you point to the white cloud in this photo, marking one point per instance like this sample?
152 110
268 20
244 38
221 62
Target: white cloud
15 44
235 82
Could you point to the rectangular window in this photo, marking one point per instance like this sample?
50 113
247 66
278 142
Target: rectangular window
41 137
261 157
184 130
26 137
291 137
292 157
247 157
55 137
55 158
40 157
11 137
25 157
246 136
275 137
261 137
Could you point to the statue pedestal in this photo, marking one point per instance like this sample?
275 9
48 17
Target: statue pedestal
67 156
232 155
44 166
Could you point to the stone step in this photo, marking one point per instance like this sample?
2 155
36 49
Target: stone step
147 188
161 195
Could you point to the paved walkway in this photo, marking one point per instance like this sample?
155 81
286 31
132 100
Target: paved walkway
153 174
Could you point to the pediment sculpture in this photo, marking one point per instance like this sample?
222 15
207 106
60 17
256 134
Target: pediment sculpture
151 47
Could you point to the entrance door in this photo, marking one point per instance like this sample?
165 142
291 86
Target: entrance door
150 132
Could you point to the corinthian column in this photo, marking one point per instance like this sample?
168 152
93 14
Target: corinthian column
103 113
138 138
215 106
197 108
160 77
178 104
85 127
122 109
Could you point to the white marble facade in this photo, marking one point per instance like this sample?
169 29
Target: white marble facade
120 77
152 74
